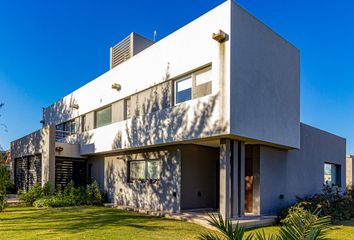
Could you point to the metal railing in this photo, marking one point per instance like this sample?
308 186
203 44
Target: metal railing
60 135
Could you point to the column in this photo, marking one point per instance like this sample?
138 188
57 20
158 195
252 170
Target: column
241 164
225 180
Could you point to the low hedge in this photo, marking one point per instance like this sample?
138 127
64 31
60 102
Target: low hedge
69 196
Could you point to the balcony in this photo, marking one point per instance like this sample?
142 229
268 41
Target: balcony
61 135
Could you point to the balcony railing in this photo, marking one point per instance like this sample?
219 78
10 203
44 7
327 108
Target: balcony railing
60 135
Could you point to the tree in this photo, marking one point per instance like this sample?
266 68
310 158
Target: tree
3 126
4 184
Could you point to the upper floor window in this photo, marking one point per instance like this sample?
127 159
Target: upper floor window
127 113
83 123
196 85
183 90
103 117
332 174
66 129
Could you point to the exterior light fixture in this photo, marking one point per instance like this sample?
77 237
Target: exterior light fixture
74 105
116 86
219 36
59 149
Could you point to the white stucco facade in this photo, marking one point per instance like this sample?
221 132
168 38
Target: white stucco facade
249 117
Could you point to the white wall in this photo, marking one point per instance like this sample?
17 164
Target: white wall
261 101
298 172
188 48
265 83
158 196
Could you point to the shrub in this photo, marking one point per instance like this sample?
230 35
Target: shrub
63 197
72 194
31 195
2 203
93 194
303 224
4 185
331 203
53 201
46 189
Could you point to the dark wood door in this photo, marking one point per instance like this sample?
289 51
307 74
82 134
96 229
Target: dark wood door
248 179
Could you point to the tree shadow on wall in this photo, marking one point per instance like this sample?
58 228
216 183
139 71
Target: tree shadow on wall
155 120
37 142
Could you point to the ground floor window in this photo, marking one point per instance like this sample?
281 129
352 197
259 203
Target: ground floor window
332 174
144 170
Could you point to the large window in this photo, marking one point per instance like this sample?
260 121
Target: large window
66 129
145 170
184 90
127 113
103 117
196 85
332 174
69 127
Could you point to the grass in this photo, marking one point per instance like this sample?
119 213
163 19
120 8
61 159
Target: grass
341 231
90 223
106 223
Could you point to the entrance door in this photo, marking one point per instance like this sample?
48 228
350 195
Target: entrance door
252 172
248 180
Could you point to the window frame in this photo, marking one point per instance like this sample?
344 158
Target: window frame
175 88
100 109
127 108
191 75
338 174
145 179
67 128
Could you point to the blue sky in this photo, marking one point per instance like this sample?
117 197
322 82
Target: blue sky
50 48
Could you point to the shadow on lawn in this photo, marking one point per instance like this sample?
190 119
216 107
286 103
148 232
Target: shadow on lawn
80 219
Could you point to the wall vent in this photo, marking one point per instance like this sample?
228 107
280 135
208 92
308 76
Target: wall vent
127 48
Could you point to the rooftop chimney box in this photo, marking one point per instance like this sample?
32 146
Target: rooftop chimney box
127 48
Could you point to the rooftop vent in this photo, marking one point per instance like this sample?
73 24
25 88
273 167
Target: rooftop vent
128 47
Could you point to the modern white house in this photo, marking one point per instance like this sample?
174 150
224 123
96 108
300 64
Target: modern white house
208 117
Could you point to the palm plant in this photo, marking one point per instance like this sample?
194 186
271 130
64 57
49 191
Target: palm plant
300 224
303 224
226 231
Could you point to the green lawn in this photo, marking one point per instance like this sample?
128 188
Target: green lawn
342 231
106 223
90 223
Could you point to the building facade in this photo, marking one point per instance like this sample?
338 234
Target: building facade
208 117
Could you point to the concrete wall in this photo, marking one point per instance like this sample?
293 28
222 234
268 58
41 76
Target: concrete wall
349 170
265 83
199 168
273 179
176 54
140 43
97 170
156 197
69 150
298 172
30 144
172 57
39 142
